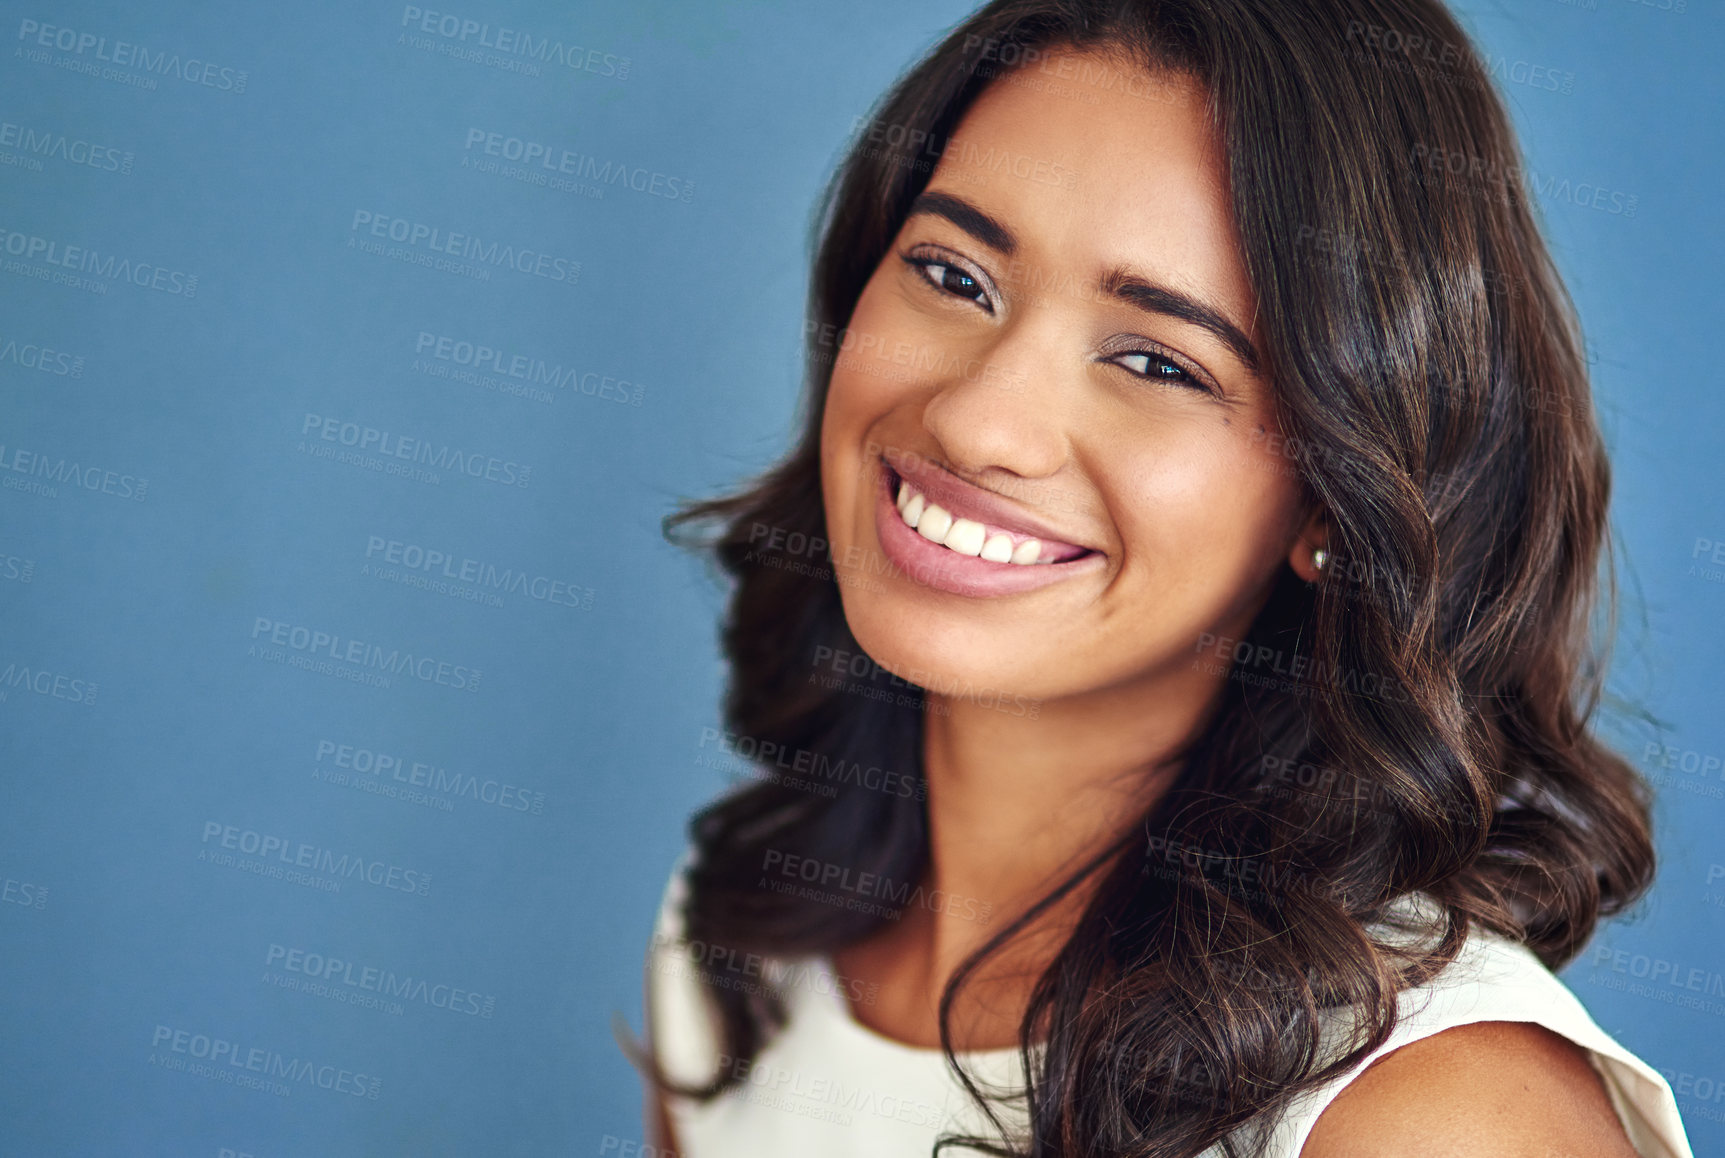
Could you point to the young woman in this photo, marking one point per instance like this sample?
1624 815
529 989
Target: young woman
1167 650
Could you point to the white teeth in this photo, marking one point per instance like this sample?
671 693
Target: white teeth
912 511
934 524
965 536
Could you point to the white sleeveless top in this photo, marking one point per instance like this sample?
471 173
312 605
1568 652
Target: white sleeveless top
828 1085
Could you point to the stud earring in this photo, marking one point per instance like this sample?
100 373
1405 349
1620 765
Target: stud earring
1319 558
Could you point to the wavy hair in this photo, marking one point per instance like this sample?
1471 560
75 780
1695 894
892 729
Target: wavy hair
1434 738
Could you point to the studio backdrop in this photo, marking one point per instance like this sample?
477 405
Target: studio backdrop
352 706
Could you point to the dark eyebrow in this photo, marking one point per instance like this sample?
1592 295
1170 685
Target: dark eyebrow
1118 283
968 218
1147 295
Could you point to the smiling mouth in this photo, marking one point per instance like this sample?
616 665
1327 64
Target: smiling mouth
976 538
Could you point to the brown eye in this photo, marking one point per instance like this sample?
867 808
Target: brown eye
954 280
951 279
1158 368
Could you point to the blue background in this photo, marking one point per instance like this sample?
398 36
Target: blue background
569 767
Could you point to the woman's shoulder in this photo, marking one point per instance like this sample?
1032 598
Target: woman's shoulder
1493 1056
682 1028
1491 1088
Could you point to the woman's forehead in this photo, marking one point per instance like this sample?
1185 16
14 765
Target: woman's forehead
1090 168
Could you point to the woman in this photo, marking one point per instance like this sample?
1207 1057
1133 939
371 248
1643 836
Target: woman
1185 750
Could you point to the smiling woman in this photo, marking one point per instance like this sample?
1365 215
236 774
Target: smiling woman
1223 490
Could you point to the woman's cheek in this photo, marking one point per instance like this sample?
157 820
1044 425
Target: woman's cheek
1187 521
866 358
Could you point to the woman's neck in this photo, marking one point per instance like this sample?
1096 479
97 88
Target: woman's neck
1015 805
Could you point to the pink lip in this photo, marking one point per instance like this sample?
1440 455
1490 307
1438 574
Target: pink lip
961 500
944 569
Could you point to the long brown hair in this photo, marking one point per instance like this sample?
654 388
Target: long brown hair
1433 737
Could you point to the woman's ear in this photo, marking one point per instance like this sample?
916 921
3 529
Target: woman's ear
1310 552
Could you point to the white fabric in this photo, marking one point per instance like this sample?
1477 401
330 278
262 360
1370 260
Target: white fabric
828 1085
